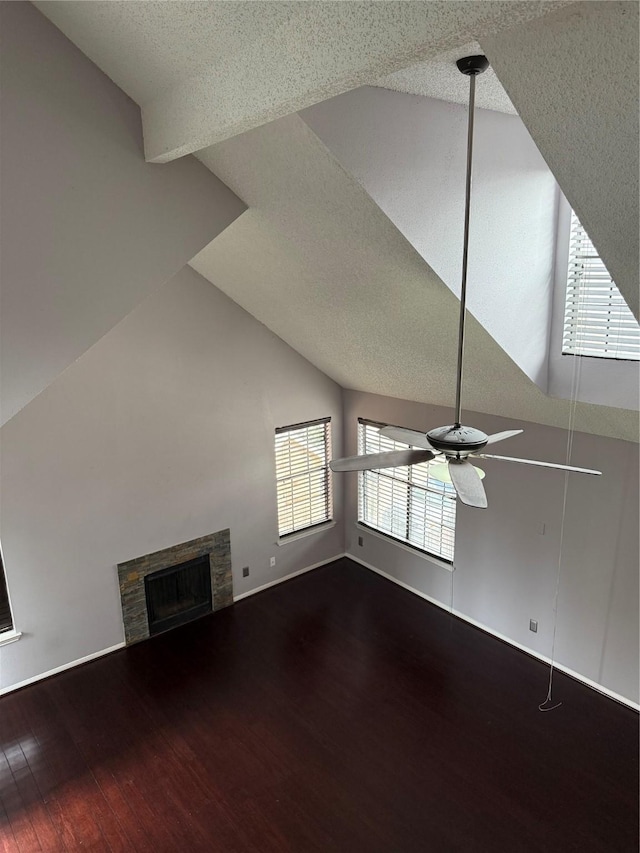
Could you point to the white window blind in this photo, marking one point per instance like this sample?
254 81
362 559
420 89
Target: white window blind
302 475
405 503
597 320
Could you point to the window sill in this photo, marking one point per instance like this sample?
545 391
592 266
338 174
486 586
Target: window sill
302 534
7 637
616 359
422 555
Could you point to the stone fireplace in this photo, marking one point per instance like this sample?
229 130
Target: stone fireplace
167 588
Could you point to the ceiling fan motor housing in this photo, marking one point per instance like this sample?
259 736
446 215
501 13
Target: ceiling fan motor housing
457 440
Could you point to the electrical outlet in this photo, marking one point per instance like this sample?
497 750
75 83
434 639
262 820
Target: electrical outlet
542 527
272 561
533 625
245 572
360 541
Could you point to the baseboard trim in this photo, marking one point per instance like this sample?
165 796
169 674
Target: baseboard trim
62 668
122 645
287 577
565 669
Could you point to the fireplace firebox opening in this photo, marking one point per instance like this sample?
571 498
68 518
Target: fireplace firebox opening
178 594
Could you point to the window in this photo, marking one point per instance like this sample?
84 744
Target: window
302 475
6 620
405 503
597 320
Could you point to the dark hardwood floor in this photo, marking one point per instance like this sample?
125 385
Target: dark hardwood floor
335 712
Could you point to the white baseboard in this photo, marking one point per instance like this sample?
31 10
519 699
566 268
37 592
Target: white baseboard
287 577
583 679
62 668
122 645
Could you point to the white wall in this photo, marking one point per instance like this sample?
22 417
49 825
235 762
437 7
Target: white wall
505 569
88 228
409 153
162 432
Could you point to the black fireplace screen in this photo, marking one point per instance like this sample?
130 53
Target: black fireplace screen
178 594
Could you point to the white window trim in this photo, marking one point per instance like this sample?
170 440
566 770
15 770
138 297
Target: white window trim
308 531
11 636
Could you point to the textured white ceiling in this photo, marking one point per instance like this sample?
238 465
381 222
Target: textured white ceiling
205 71
146 47
317 261
433 79
409 153
573 78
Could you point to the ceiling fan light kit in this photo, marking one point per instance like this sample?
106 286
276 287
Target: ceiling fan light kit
440 471
452 445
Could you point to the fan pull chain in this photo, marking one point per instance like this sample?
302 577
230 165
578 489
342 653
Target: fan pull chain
573 405
541 706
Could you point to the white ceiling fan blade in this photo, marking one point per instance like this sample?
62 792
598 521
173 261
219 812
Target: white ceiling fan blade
390 459
467 483
407 436
536 462
500 436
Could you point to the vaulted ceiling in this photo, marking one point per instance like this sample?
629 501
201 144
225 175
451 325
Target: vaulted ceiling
205 71
315 258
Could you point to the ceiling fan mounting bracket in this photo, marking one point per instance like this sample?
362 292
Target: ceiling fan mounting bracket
472 65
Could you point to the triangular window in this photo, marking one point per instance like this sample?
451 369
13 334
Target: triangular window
597 320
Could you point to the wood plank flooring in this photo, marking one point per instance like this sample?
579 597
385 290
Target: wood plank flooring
336 712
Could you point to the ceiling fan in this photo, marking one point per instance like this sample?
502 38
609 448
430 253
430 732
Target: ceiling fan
454 444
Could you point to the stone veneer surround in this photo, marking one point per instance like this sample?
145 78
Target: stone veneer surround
131 577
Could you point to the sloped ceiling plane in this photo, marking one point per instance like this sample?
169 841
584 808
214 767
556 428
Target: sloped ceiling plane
324 256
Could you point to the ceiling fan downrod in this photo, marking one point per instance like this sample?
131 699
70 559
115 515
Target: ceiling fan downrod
471 66
458 444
